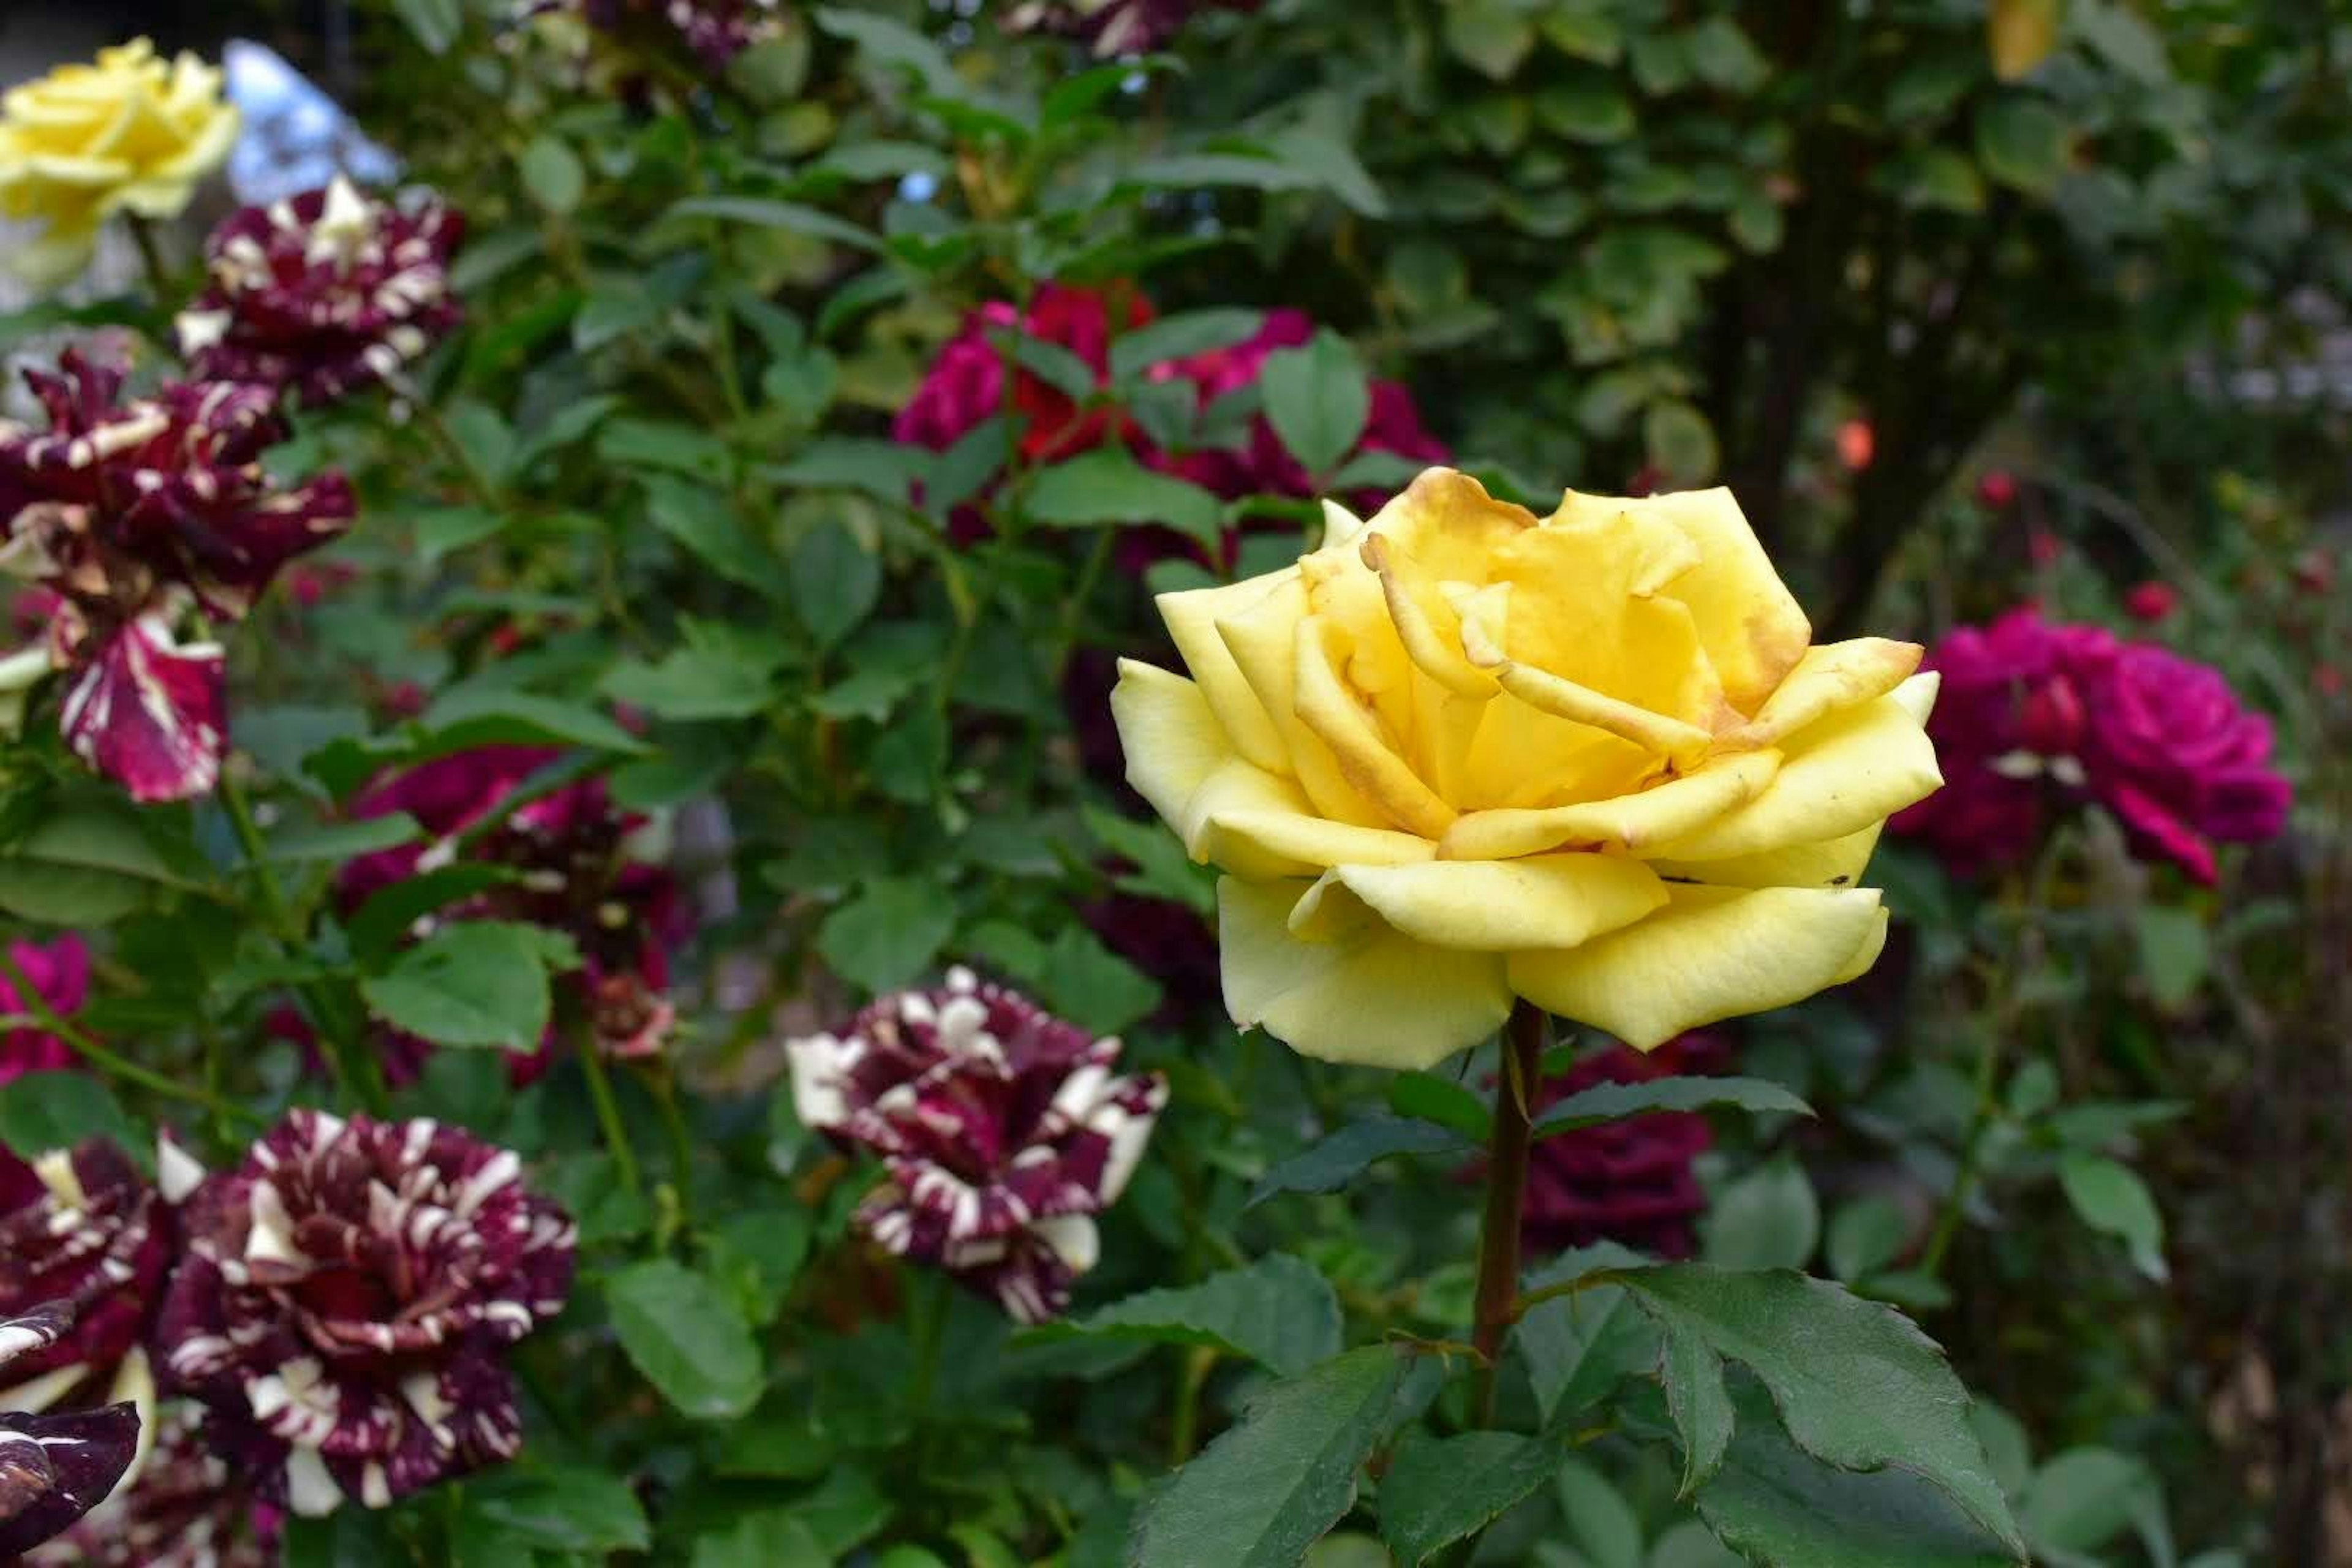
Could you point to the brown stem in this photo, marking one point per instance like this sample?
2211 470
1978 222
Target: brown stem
1507 1186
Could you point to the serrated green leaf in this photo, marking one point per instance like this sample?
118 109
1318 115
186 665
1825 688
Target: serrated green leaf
486 715
889 934
1339 1159
1615 1101
342 840
1439 1490
1857 1385
1575 1348
761 212
1432 1097
1318 397
472 982
40 1111
1270 1487
836 581
681 1331
1106 486
704 522
1769 1218
1279 1311
571 1509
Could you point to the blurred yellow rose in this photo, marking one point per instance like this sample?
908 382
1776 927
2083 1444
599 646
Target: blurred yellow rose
131 132
1461 755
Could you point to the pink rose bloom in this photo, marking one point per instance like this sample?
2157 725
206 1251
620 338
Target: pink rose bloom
2035 716
60 973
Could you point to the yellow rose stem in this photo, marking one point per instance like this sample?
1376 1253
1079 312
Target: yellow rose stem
161 281
1507 1187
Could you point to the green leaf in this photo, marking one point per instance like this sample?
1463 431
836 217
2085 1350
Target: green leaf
1106 486
1782 1508
472 982
771 1538
442 529
2022 142
1615 1101
2176 953
1596 1517
1940 178
1439 1490
2111 1198
836 581
488 715
383 923
2083 1499
2128 42
83 866
1585 33
552 174
1857 1385
1279 1311
882 160
889 934
1428 1097
790 216
342 840
1339 1159
760 1252
1086 982
571 1509
434 23
1769 1218
40 1111
1722 55
681 1331
890 42
1270 1486
1180 336
1865 1236
1318 397
1491 35
704 522
1585 111
1577 1348
1162 868
729 678
1680 441
886 470
665 444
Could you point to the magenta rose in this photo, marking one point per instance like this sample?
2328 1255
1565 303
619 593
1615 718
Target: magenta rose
1630 1180
59 971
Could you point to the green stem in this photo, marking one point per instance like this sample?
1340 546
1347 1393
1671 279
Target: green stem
356 1073
681 1143
161 281
926 1322
1506 1184
608 1117
1183 1429
482 489
83 1045
1074 608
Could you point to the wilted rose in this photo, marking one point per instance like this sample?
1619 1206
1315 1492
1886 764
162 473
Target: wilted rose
1461 755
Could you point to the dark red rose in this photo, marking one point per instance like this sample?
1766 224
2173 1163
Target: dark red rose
2151 601
1628 1181
54 1468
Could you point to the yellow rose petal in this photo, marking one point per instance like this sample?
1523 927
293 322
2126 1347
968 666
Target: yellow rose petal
1831 678
1172 742
1830 863
1374 998
1711 954
1544 901
1637 822
1299 837
1192 619
1751 625
1548 693
1328 706
1262 634
1847 772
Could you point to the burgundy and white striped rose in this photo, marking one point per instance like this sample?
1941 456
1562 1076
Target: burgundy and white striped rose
54 1468
322 293
345 1301
189 1508
128 512
83 1229
1004 1131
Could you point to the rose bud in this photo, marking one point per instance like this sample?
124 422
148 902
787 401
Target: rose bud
2151 601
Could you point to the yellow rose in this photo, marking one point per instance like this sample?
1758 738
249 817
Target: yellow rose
1460 755
84 142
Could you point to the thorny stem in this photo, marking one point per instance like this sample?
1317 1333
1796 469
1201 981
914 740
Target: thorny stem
1507 1185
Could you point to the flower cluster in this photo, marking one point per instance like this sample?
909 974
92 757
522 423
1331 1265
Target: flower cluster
187 1508
1116 27
2040 715
1630 1180
965 386
131 511
715 30
1003 1131
345 1300
1462 754
323 293
579 870
130 133
54 1468
60 975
